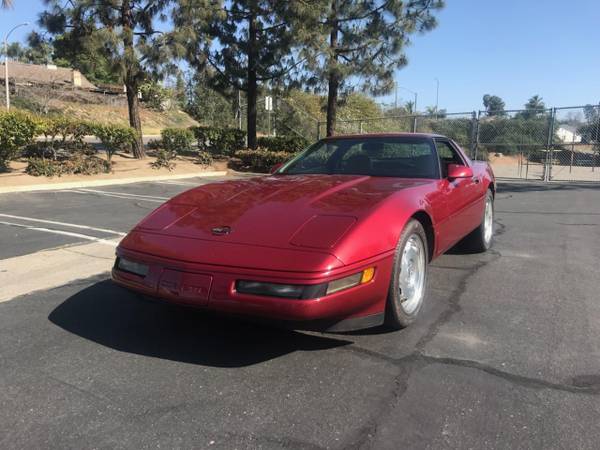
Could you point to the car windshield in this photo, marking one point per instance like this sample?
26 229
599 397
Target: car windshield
394 156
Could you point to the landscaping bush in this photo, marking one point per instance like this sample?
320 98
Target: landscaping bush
16 130
178 140
219 141
156 97
204 159
164 158
114 138
261 160
291 144
62 135
78 163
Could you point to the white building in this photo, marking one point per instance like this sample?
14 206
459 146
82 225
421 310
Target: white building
568 134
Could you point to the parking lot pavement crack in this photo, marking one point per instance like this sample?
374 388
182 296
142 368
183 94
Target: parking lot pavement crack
576 385
454 300
105 401
363 438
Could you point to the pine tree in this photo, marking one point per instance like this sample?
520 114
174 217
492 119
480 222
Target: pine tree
247 42
363 42
127 28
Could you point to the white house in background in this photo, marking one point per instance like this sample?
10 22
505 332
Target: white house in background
568 134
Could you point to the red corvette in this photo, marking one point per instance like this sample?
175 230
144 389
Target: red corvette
338 238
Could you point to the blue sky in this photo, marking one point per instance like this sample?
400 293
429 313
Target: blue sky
510 48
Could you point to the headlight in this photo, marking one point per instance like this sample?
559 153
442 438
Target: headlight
298 291
353 280
132 267
269 289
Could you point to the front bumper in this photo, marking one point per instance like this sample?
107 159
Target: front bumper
213 287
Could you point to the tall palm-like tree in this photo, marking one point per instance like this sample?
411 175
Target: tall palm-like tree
534 107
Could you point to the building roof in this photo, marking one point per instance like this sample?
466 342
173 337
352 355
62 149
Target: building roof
45 75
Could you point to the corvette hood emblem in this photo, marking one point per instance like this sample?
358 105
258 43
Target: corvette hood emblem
220 231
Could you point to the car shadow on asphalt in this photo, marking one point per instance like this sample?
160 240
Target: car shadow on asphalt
121 320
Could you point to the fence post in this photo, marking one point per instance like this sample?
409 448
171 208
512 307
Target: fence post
360 127
549 146
472 134
415 124
318 130
477 134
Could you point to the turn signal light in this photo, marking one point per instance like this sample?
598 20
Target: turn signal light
353 280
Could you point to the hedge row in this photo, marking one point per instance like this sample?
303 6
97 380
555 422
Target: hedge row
283 143
219 141
18 131
261 160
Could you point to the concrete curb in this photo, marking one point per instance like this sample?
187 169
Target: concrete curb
93 183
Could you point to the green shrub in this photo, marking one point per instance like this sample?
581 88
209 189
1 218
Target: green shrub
62 135
261 160
155 96
79 163
219 141
154 144
178 140
204 159
291 144
16 130
39 167
164 158
114 138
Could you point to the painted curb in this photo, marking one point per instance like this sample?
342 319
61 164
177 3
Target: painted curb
93 183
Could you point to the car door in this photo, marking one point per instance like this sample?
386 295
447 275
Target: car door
460 196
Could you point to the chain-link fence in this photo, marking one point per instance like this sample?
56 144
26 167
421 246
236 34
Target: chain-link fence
532 144
575 151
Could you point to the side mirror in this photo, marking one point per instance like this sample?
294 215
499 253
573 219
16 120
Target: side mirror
276 167
458 171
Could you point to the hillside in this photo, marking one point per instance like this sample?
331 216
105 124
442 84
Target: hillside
152 121
96 107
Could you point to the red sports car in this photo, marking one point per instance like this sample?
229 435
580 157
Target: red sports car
338 238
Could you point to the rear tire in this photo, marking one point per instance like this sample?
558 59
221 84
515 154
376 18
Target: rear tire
409 277
481 238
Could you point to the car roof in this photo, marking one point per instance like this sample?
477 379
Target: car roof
380 135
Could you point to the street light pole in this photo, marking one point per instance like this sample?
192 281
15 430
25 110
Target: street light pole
6 84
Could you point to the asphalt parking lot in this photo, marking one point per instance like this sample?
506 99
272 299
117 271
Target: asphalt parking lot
505 354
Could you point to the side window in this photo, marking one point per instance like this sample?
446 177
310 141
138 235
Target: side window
447 155
317 158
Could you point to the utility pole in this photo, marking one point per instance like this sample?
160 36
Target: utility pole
6 83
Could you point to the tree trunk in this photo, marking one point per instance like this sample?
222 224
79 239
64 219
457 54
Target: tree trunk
334 76
252 83
133 105
332 99
131 79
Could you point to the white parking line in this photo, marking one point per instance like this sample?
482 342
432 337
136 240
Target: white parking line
177 183
114 196
63 233
64 224
95 191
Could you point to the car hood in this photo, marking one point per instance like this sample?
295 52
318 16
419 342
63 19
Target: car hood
283 211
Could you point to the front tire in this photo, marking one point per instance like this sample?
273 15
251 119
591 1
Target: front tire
480 239
409 277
